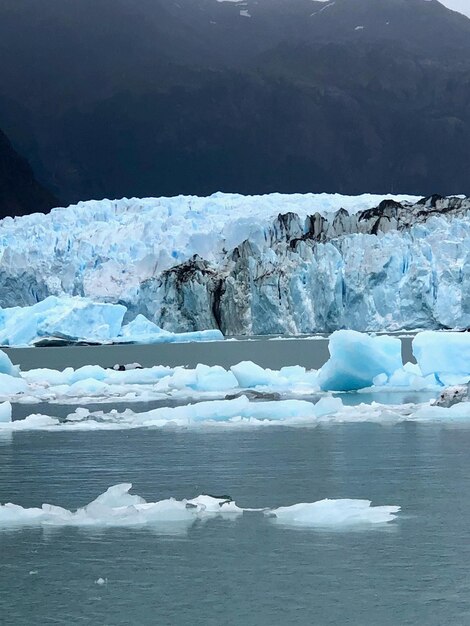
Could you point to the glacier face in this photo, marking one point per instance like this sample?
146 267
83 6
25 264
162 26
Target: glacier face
251 265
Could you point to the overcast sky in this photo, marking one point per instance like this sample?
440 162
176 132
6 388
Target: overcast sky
458 5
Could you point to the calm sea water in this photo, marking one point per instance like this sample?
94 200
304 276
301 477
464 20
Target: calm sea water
413 571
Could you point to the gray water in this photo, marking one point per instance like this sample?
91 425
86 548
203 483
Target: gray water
248 571
304 351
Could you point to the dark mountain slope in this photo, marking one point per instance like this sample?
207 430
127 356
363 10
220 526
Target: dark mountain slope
20 193
164 97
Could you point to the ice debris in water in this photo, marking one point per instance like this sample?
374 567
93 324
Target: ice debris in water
240 412
117 507
326 513
357 361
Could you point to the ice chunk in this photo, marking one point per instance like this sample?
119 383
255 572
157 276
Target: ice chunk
328 406
459 412
211 505
142 330
239 411
406 377
32 422
249 374
87 372
442 352
239 408
5 413
79 319
357 358
12 386
214 378
67 317
329 513
7 367
117 507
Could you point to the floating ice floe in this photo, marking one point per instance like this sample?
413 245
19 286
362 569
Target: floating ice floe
93 383
331 513
75 319
118 508
238 412
241 413
357 362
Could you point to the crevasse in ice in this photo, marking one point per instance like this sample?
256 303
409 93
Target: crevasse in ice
268 264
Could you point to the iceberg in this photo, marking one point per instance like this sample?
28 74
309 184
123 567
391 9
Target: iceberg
443 354
5 413
116 507
332 513
76 319
64 317
6 366
142 330
356 359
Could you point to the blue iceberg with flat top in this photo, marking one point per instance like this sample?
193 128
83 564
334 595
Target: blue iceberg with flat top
356 359
444 354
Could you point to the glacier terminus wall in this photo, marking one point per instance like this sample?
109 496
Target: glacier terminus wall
289 264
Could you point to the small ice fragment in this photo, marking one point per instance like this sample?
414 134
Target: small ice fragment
101 581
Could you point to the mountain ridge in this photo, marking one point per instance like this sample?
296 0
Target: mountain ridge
162 98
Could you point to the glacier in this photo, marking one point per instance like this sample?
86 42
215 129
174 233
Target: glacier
275 264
